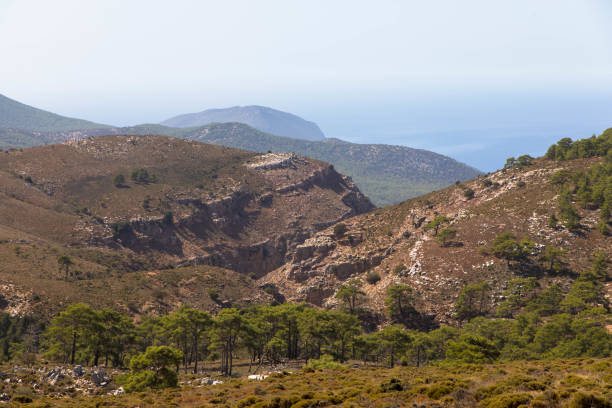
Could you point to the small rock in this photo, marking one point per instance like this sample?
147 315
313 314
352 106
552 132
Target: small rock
78 371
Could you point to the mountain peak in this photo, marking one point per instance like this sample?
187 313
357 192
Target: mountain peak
262 118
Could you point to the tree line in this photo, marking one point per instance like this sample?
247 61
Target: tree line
528 322
591 188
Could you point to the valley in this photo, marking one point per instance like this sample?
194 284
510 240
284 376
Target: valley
182 263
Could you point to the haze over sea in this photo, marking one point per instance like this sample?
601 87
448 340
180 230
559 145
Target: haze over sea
475 79
481 130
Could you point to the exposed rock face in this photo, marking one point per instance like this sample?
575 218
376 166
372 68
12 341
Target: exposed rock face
245 215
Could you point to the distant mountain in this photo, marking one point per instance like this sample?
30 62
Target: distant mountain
386 174
260 117
16 115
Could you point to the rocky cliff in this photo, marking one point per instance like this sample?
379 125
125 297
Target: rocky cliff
181 202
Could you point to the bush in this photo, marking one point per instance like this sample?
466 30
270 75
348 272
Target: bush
214 295
151 369
340 229
468 193
399 268
445 236
438 391
119 180
142 176
326 362
588 400
120 228
393 385
507 401
372 277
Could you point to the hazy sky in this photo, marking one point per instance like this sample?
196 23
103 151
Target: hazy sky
375 71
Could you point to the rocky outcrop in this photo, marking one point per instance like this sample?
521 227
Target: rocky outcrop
246 230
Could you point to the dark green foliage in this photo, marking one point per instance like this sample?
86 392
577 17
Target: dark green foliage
18 336
468 193
552 221
399 268
595 146
351 295
120 228
588 400
65 262
340 229
552 259
436 223
119 180
445 235
486 183
519 292
153 369
372 277
471 349
591 188
506 246
473 301
214 295
560 177
400 301
521 161
567 212
142 176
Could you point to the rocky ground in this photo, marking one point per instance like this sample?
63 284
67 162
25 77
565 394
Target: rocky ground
393 243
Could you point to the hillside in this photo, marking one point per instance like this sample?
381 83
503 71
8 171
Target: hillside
259 117
179 203
386 174
394 245
16 115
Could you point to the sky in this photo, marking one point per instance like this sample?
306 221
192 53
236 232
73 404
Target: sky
477 80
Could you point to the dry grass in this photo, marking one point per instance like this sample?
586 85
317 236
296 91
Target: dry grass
536 384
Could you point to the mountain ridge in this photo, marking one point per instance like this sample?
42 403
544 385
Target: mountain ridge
262 118
387 174
19 116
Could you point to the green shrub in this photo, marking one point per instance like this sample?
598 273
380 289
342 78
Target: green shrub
214 295
152 369
142 176
588 400
372 277
119 180
326 362
340 229
392 385
468 193
507 401
438 391
399 268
